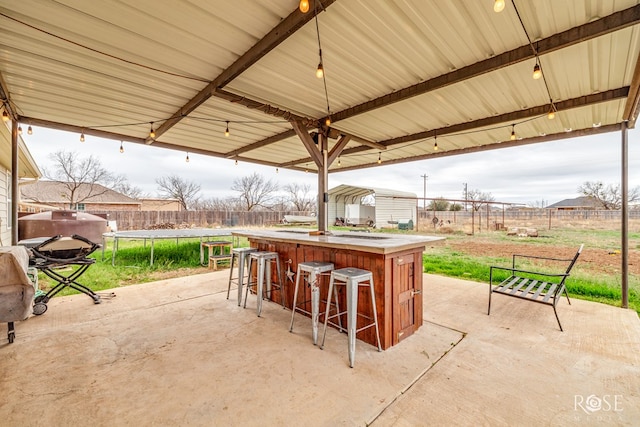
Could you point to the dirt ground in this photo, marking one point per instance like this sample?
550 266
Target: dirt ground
592 260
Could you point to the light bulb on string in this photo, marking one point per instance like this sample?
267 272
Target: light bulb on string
304 6
236 162
379 158
552 112
339 162
513 132
29 130
498 6
152 133
5 116
435 141
226 131
277 171
327 121
82 136
537 72
187 158
320 70
19 130
121 147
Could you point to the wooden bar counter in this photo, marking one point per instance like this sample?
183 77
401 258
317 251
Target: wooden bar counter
394 259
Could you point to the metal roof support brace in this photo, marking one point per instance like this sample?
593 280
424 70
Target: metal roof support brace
323 181
625 216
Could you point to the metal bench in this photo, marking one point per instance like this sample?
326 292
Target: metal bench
540 287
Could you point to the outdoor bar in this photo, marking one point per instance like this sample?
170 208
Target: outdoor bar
395 261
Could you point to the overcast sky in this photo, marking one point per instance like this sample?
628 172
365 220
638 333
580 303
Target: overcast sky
532 174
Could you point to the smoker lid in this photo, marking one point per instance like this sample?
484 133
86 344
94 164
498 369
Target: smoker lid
61 216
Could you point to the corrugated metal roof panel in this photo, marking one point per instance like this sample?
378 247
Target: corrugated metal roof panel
116 66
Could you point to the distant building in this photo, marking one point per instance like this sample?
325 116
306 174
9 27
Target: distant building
579 203
88 197
158 204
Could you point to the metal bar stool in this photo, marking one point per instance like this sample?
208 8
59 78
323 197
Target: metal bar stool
352 278
241 255
312 270
263 260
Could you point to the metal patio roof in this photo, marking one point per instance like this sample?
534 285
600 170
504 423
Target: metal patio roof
398 74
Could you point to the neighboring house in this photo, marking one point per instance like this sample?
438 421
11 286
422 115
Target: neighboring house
27 170
88 197
157 204
579 203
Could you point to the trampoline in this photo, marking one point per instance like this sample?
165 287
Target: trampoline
153 235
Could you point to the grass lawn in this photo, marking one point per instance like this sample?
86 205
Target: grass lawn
595 276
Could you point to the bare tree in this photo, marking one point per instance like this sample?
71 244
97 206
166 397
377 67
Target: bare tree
218 204
83 178
439 204
479 199
300 198
608 195
124 187
255 191
173 186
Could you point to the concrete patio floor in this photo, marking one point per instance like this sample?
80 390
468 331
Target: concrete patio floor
177 352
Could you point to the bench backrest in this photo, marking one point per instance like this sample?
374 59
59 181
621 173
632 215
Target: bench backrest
575 258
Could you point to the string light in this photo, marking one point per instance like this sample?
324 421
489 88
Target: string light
320 69
19 130
29 130
236 162
152 133
513 132
277 170
327 121
498 6
226 131
339 163
82 136
537 72
5 116
304 6
187 158
552 111
121 147
379 158
435 141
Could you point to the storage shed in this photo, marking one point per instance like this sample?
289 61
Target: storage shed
390 207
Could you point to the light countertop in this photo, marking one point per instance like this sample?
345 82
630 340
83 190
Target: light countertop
361 241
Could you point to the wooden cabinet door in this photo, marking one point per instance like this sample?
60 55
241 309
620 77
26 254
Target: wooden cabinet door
407 296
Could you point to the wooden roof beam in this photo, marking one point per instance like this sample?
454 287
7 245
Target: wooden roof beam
631 108
493 146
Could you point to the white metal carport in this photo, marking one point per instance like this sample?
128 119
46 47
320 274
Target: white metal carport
390 205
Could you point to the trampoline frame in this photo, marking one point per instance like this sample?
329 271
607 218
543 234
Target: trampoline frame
153 235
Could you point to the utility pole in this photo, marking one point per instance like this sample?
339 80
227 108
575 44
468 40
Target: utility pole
424 194
465 196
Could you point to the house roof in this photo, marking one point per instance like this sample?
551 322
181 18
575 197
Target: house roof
397 74
578 202
58 192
